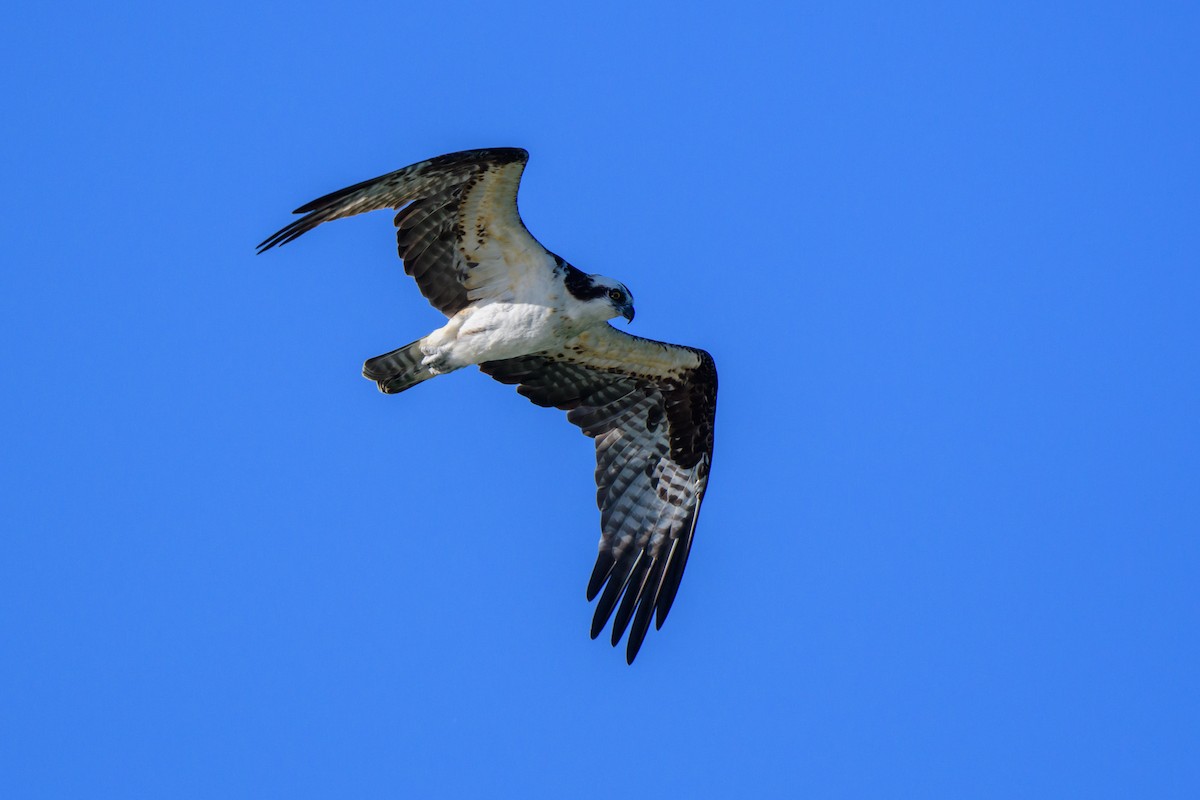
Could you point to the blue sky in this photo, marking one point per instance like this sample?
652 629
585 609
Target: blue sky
945 256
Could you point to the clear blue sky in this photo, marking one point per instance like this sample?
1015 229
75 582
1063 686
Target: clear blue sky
946 257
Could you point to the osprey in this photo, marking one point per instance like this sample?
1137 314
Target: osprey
525 316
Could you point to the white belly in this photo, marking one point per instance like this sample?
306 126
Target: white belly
490 332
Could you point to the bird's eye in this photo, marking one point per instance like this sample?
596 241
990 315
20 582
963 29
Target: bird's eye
616 295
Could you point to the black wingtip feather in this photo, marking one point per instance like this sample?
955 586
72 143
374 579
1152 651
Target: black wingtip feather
286 234
600 573
633 592
637 635
626 567
647 598
671 580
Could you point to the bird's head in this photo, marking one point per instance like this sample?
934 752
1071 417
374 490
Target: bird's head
601 298
617 295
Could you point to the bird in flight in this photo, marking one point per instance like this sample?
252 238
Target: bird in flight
525 316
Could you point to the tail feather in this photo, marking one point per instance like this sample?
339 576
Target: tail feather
398 370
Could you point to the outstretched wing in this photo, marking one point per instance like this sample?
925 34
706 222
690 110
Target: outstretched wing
458 230
650 406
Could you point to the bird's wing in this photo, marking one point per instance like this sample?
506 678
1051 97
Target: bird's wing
650 406
458 229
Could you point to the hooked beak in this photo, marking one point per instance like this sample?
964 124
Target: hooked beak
627 313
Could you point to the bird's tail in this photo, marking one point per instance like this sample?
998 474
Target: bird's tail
398 370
